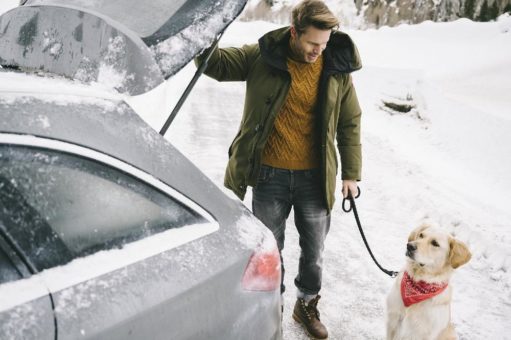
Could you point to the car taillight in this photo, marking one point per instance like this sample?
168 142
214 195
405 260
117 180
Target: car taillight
263 270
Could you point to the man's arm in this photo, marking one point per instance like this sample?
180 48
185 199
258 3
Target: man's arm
228 64
348 139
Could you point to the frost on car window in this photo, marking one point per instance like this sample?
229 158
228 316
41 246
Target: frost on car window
57 206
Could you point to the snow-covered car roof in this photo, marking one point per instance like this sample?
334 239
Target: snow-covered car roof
66 110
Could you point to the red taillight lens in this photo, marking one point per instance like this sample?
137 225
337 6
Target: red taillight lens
263 271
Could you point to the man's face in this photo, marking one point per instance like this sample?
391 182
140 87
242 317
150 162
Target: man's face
309 45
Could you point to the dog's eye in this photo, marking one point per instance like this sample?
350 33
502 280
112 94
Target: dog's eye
435 243
421 235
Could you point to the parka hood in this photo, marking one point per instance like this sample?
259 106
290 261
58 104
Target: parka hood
340 56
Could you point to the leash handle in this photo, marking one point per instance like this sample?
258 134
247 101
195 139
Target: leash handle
349 200
353 206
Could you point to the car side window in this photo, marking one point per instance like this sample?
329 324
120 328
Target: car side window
59 206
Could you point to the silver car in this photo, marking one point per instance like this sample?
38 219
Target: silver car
106 230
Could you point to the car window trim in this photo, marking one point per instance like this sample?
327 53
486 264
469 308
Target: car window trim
77 150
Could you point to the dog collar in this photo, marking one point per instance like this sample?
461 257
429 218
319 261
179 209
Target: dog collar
416 291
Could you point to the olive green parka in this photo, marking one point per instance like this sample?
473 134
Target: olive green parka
263 67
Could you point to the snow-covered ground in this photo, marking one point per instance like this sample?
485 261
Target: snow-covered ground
447 161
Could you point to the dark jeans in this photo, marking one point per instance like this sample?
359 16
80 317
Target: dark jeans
278 190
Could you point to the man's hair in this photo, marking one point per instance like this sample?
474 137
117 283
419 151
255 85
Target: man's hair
313 13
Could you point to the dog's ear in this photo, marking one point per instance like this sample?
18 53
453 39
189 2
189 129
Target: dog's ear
415 233
459 253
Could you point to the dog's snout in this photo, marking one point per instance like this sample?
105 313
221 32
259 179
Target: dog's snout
410 250
411 247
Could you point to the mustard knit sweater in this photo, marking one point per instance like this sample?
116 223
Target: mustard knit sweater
294 142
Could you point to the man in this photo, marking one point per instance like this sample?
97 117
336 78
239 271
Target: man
299 99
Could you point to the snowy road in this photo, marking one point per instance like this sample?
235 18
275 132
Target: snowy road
449 166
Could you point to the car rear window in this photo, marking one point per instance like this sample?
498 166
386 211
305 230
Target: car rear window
59 206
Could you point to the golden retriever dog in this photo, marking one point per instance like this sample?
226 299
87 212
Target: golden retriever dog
419 303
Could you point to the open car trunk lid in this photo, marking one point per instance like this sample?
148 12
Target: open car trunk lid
130 45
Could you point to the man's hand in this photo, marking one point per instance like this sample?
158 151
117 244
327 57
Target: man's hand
351 186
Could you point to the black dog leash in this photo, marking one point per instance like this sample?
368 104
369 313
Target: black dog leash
353 207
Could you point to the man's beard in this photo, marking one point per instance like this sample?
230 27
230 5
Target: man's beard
297 53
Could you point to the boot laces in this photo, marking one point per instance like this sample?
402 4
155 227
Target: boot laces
312 306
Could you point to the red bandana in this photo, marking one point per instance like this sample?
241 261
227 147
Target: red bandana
414 292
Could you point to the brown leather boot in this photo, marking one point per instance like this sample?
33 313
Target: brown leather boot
308 315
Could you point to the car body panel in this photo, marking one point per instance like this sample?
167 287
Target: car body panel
31 320
168 296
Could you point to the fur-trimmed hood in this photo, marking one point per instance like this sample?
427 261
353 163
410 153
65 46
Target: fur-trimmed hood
340 56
